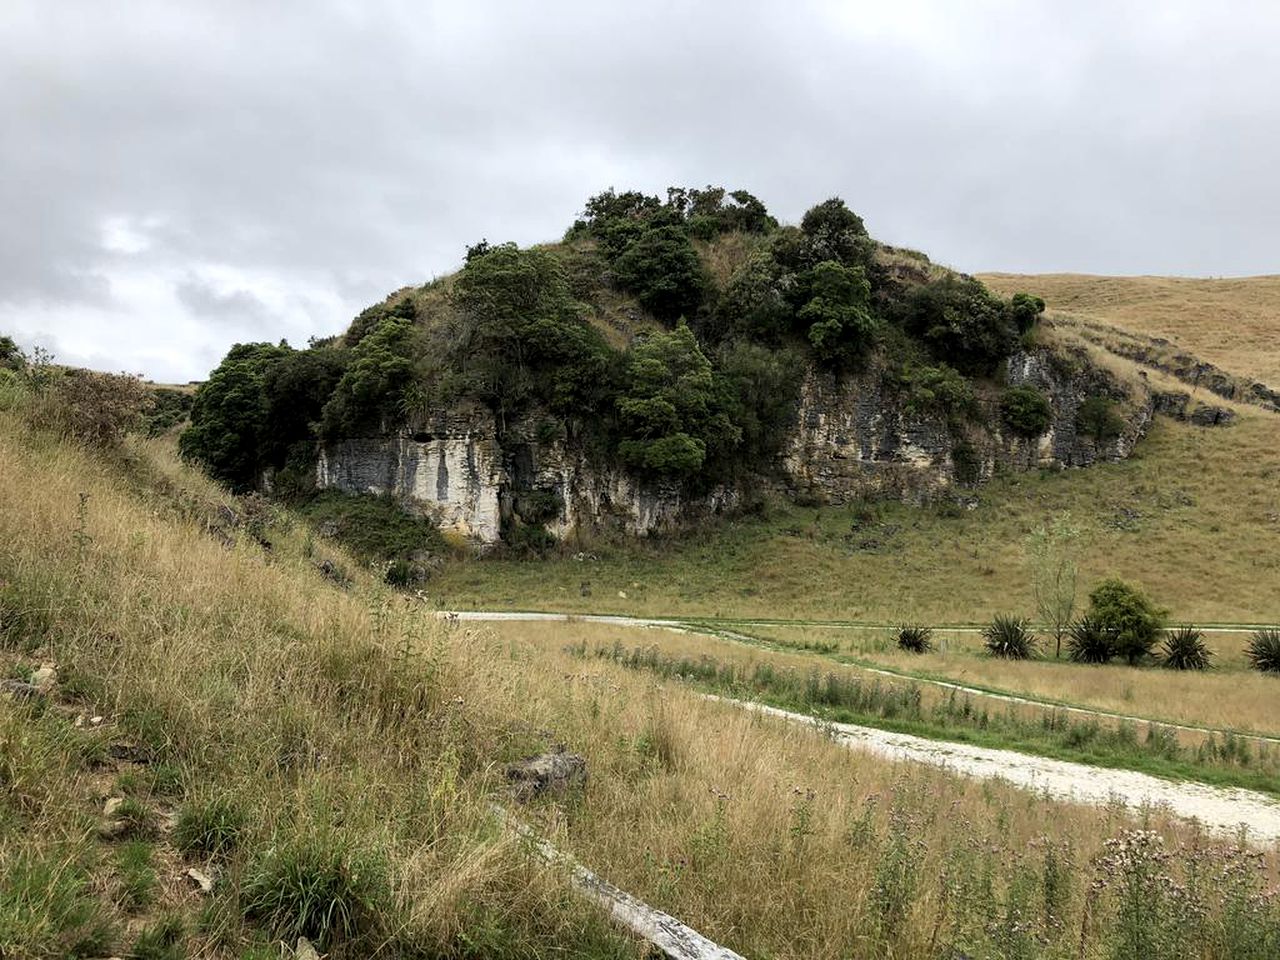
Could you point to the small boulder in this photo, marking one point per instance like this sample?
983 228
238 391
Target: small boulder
201 880
21 690
305 951
44 678
550 773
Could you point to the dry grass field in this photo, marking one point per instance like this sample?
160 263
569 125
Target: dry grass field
1229 696
1231 322
328 755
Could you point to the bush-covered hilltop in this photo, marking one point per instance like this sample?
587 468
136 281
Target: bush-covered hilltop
667 337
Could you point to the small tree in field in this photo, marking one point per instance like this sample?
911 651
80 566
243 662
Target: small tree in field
1053 549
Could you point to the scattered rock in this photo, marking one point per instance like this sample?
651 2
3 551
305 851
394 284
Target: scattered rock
551 773
21 690
305 951
622 594
328 529
44 678
201 880
1209 416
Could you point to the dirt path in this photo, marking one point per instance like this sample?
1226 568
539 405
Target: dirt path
1222 810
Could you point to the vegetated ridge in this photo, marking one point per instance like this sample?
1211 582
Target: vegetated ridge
667 360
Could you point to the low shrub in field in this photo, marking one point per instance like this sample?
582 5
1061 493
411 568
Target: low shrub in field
914 638
1088 641
1184 649
1264 650
1009 637
1133 621
209 827
314 886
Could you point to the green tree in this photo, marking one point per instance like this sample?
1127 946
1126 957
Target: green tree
669 413
229 417
1128 616
837 319
11 357
663 270
961 322
1053 549
836 233
1025 311
369 397
521 337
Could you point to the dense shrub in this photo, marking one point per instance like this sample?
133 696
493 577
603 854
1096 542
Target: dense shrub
1185 649
11 356
664 272
1098 418
914 638
520 337
1026 411
936 389
1088 641
376 529
171 408
1264 650
837 319
960 322
96 409
966 463
1009 637
1025 311
1132 621
669 412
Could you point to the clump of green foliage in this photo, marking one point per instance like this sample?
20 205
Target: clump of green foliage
1132 621
1009 638
914 638
376 529
317 887
1098 418
1026 411
706 398
1264 650
1088 641
1185 649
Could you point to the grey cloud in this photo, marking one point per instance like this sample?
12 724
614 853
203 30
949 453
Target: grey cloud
345 149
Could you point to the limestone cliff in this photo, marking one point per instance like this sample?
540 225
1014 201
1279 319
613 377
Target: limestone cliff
853 437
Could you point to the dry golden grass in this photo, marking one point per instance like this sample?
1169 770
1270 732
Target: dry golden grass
350 721
1233 323
1229 697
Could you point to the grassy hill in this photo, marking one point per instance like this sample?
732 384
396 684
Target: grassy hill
1231 322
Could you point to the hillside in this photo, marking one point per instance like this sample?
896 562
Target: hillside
1231 322
197 682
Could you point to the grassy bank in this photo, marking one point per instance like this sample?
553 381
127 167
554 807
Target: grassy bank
327 756
1169 519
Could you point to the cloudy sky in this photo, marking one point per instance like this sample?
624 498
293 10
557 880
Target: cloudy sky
177 177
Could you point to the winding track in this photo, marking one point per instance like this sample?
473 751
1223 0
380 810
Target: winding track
1222 810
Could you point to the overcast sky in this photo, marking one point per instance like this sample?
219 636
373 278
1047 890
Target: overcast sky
179 176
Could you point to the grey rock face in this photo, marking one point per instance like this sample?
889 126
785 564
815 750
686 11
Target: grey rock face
853 437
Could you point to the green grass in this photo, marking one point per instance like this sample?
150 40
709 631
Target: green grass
136 874
1168 519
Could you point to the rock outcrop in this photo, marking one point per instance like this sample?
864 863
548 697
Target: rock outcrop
853 437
